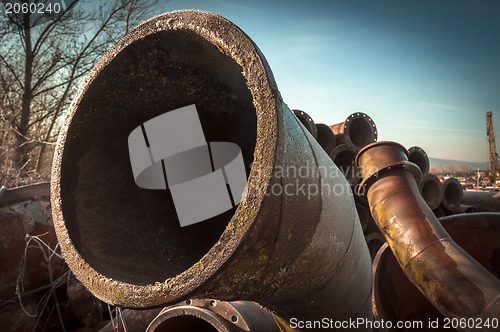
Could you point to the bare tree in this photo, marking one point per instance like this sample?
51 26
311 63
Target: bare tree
42 61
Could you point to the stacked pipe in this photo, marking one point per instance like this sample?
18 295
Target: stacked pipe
342 141
276 250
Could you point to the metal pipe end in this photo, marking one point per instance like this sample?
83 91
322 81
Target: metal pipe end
431 190
419 157
107 226
307 121
452 194
359 131
377 158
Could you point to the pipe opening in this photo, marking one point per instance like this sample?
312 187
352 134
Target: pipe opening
430 193
121 230
418 158
185 323
452 193
360 132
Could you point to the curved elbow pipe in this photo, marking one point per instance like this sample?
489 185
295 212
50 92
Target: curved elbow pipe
293 243
395 298
456 284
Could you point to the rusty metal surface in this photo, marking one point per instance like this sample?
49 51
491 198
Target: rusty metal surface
456 284
301 255
431 190
452 194
307 122
396 298
326 138
419 157
484 201
357 131
214 315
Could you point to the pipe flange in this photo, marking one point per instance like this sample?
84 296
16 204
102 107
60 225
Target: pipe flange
377 158
370 131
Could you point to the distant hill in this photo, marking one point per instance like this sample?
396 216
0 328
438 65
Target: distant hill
448 165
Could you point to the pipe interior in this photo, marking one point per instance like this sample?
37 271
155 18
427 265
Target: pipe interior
420 160
360 132
185 323
125 232
452 193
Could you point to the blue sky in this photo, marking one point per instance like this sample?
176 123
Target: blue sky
425 71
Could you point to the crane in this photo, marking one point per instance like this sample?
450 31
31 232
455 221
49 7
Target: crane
494 159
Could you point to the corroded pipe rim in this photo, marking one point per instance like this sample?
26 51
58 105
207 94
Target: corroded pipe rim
373 174
233 42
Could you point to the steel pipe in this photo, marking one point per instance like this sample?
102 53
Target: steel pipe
326 138
357 131
307 121
397 299
419 157
456 284
431 190
344 157
482 200
212 315
452 194
301 255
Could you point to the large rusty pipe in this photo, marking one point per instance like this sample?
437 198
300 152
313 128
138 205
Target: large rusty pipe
419 157
482 200
397 299
452 194
357 131
326 138
456 284
300 254
431 190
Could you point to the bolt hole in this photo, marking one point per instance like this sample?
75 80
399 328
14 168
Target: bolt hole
188 302
213 303
234 319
